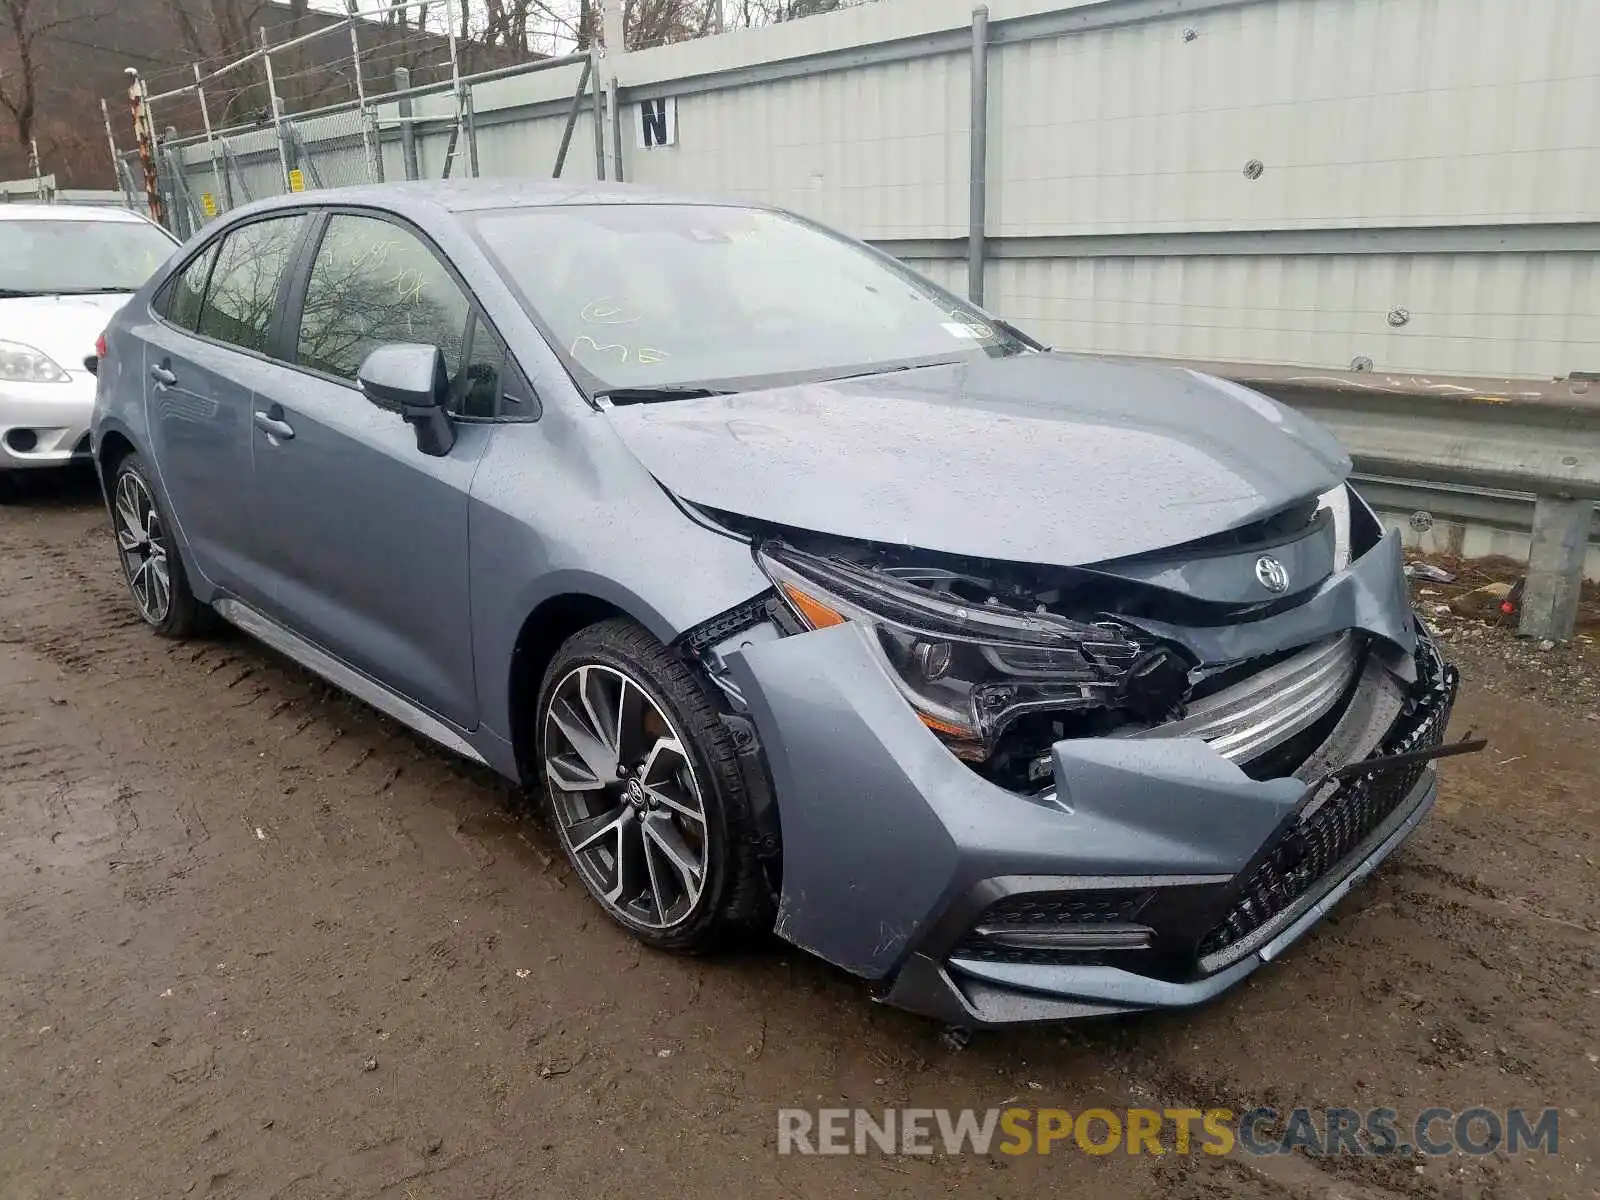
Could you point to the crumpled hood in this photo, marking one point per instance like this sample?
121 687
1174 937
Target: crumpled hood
64 327
1041 458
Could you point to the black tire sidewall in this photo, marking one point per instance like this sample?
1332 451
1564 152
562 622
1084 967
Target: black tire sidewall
616 644
183 609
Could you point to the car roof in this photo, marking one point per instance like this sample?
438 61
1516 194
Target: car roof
473 195
67 212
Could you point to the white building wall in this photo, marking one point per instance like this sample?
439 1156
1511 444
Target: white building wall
1428 195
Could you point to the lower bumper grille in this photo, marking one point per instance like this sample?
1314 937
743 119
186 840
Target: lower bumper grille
1052 927
1310 849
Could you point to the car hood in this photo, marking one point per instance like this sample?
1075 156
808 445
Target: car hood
1040 458
64 327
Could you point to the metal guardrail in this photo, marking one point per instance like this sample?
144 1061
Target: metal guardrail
1489 435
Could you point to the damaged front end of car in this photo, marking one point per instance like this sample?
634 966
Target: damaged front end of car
1012 792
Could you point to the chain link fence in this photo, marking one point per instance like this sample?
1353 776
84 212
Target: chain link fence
428 132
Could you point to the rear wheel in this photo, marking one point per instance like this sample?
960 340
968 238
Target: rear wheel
151 564
643 786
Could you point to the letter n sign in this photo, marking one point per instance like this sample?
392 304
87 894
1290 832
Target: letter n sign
658 123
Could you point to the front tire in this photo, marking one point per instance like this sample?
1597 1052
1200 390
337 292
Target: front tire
642 783
151 564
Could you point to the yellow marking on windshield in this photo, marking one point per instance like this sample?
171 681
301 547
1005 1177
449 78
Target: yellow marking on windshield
605 312
408 283
620 350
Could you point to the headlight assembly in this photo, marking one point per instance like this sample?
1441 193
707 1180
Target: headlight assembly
967 669
24 364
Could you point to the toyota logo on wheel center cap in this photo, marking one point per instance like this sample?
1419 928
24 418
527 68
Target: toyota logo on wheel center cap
636 793
1272 574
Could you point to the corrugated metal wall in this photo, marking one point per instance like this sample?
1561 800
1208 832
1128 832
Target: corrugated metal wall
1412 116
881 151
1474 314
1361 112
1410 182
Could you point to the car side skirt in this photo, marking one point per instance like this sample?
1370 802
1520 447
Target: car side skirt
318 661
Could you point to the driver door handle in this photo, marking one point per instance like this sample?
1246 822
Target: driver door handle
163 375
273 427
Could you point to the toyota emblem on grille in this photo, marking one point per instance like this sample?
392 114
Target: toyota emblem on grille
1273 575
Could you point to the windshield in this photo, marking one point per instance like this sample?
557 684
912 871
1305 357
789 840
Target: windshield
55 257
662 296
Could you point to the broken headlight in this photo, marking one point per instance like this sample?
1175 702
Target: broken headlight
967 669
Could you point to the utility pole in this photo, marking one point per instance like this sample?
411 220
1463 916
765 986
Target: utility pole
613 29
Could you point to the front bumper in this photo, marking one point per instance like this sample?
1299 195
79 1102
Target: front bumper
45 424
1160 872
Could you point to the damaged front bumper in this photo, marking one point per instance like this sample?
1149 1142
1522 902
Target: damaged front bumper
1157 873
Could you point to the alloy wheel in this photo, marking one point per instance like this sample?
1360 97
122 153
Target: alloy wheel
627 802
142 544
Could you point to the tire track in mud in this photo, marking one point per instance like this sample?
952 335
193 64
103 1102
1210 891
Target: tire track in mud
392 896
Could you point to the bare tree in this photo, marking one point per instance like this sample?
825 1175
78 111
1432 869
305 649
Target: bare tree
770 12
25 27
216 28
577 23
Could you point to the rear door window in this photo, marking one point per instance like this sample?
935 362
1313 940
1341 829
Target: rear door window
242 300
183 294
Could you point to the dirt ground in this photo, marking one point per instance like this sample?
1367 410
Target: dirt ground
256 941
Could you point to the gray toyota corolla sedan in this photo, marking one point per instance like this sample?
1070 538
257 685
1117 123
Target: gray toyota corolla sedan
809 597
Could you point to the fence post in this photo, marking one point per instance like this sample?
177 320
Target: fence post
456 88
230 168
277 112
1555 567
218 180
302 153
614 111
38 173
185 210
371 151
572 118
116 158
472 130
599 132
408 133
978 172
145 133
613 26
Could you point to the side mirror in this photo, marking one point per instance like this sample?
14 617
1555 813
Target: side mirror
91 363
410 379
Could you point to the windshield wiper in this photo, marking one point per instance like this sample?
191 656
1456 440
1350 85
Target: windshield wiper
653 395
16 294
95 291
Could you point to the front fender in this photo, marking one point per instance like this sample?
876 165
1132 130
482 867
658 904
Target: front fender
883 827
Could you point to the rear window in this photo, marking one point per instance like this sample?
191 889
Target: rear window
182 295
66 257
243 296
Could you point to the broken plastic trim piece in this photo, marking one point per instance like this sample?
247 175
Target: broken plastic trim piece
1393 762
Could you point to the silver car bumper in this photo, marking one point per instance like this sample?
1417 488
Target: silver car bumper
45 424
1155 873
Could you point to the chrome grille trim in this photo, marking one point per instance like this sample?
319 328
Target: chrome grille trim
1246 720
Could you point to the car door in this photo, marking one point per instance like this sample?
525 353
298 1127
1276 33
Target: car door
203 357
364 535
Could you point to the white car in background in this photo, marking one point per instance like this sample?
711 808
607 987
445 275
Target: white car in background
64 270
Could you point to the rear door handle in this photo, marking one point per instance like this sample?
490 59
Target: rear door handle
163 375
273 427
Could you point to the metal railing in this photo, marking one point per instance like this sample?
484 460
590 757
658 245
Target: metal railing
1491 437
190 179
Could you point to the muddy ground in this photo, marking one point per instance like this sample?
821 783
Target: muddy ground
256 941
